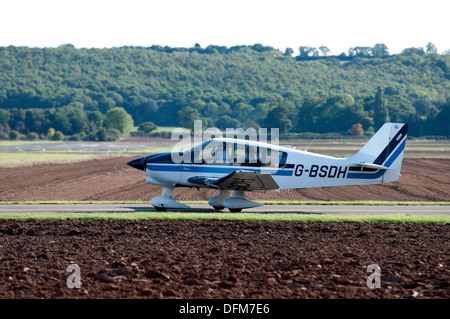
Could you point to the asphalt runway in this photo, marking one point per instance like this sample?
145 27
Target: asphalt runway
267 209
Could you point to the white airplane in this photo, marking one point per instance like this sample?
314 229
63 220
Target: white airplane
242 165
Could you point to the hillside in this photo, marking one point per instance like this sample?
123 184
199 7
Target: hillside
226 87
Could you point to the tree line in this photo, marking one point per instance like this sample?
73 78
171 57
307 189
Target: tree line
70 92
68 121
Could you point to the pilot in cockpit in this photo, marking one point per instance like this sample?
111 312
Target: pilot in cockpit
223 155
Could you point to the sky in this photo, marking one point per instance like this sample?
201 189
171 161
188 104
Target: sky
336 24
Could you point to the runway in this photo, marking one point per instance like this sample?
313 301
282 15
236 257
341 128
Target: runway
199 208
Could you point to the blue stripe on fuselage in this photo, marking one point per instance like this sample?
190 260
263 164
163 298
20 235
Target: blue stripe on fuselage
209 169
164 167
365 175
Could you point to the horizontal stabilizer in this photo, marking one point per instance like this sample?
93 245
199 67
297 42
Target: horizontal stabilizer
371 165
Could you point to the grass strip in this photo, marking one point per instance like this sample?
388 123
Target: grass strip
358 202
266 202
71 202
23 159
177 216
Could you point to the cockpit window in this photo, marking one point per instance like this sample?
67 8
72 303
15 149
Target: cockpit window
268 157
214 152
217 152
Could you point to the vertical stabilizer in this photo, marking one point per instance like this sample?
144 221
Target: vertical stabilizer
385 148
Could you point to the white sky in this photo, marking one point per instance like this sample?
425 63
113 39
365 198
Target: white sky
337 24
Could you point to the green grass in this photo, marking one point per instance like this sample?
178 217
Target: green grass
62 202
266 202
169 129
15 159
151 150
394 218
358 202
19 142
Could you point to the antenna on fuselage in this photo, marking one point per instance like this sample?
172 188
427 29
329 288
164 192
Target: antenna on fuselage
306 149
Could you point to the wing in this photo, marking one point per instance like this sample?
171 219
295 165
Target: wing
239 180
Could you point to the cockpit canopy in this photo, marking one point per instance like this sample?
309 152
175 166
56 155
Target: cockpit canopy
236 153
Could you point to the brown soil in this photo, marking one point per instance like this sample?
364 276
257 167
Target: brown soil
112 179
217 259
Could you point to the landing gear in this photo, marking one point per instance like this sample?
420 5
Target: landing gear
165 201
235 204
222 200
217 201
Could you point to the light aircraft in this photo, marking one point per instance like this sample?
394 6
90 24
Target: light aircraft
237 165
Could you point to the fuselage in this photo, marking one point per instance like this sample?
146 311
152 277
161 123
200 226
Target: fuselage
244 165
290 168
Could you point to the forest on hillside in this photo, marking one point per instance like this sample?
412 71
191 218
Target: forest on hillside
100 94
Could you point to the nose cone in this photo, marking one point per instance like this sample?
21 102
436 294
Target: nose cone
138 163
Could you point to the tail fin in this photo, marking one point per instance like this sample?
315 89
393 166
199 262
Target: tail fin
384 151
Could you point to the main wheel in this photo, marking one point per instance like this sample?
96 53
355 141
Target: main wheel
235 210
160 209
219 207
